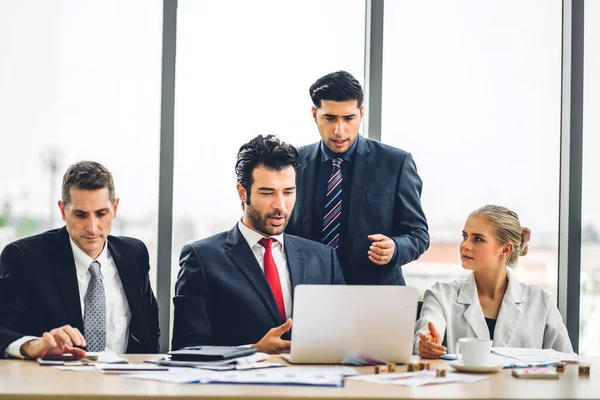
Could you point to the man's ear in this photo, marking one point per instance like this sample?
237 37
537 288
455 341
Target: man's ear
62 206
314 113
241 192
362 111
115 206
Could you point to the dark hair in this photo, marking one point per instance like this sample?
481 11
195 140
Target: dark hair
267 151
336 86
87 175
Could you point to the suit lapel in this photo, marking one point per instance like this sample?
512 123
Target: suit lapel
309 172
240 253
510 312
127 267
66 278
296 262
473 314
360 176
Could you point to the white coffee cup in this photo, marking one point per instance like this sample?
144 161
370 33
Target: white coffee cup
473 352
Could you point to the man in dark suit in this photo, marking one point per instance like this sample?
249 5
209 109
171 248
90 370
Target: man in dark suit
355 194
236 287
78 286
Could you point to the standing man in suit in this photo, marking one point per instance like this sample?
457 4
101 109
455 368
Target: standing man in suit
236 287
357 195
77 286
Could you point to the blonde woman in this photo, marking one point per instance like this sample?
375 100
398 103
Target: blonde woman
491 303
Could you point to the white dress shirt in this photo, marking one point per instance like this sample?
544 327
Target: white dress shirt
253 238
118 313
528 316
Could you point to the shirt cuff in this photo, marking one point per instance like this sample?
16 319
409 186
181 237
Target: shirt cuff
14 349
245 346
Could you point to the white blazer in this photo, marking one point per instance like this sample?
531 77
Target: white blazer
528 317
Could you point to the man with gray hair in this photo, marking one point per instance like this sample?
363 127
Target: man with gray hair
77 287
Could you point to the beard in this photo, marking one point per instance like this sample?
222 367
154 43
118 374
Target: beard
261 223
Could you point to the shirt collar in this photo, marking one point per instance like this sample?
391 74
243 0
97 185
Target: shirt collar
253 237
83 261
348 156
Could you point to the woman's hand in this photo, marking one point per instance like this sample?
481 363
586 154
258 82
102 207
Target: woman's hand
430 344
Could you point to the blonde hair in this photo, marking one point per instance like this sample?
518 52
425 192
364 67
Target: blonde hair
507 229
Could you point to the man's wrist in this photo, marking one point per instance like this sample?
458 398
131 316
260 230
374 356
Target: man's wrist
395 255
14 349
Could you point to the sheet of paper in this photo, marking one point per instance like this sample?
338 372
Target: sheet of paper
312 376
509 362
256 357
278 376
77 368
448 357
337 370
128 368
108 356
288 357
416 379
258 365
174 375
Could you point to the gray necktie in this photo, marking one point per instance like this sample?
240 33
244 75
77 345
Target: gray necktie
94 319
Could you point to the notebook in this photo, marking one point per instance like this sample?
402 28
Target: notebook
210 353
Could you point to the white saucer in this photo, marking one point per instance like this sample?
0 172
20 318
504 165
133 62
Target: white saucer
457 365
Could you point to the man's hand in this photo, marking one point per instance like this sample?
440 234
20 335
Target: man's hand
56 342
382 249
272 343
430 343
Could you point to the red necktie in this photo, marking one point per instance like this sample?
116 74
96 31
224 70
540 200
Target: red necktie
272 275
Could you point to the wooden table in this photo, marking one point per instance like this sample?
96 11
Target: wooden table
26 380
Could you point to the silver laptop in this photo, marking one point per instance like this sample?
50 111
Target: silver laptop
338 324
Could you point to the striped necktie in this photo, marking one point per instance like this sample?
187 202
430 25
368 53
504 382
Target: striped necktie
94 318
333 206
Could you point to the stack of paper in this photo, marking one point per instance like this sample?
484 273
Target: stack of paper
220 365
513 357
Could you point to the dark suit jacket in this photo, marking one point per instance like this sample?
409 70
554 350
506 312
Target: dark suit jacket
222 296
385 198
39 290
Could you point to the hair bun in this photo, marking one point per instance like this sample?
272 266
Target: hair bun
525 237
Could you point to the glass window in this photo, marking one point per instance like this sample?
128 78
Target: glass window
244 73
472 89
589 344
79 80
